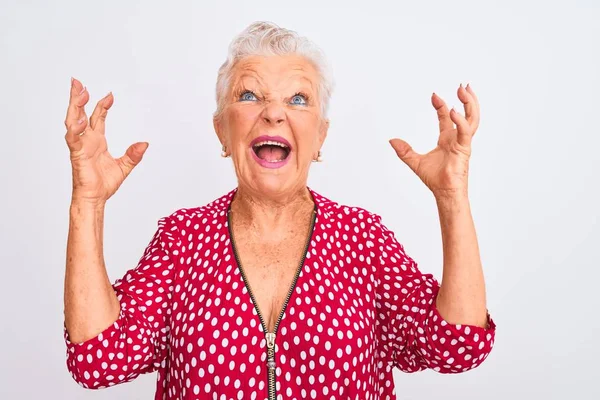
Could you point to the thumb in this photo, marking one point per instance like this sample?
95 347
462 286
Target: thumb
133 155
406 153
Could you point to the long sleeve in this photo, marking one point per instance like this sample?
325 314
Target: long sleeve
136 342
413 335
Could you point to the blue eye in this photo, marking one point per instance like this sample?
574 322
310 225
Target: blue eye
248 96
298 100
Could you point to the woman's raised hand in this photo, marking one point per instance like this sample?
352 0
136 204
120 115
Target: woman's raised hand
445 169
96 174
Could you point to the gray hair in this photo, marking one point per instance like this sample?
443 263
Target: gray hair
267 39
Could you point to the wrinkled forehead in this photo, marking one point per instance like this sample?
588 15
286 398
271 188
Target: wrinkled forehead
275 73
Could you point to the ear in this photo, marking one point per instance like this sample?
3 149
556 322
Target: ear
324 128
321 136
218 125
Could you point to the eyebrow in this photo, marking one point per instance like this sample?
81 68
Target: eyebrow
254 75
239 81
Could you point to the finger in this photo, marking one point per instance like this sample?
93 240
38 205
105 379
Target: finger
462 127
442 112
98 117
406 153
77 99
132 157
471 105
75 131
75 112
476 100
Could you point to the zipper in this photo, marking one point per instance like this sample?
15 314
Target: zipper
270 336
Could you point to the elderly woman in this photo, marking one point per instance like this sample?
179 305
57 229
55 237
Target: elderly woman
273 290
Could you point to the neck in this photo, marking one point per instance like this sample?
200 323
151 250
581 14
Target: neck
271 216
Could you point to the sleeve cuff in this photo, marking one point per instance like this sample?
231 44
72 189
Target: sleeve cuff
455 348
103 338
439 320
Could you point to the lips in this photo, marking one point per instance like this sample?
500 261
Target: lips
271 151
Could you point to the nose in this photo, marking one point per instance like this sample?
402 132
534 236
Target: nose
273 114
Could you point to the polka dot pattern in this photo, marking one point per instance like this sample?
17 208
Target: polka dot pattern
360 308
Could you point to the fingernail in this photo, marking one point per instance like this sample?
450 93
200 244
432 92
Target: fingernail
81 121
82 90
108 95
468 85
72 79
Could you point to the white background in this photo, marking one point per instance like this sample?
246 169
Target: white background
534 173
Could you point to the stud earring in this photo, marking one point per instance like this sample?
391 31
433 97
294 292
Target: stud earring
224 152
319 157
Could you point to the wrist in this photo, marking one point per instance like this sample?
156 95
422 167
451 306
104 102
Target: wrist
451 195
82 203
452 201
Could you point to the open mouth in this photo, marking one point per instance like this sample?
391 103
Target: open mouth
271 151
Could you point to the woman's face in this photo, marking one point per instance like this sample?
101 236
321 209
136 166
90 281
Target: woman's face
271 124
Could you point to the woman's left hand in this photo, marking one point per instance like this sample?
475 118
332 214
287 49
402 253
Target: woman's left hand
445 169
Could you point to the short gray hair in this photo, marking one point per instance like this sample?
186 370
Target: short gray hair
267 39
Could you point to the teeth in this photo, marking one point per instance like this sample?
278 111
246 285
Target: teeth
271 143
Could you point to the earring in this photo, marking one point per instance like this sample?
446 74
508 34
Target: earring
319 157
224 152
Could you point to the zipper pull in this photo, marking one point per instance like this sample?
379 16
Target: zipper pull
270 351
270 340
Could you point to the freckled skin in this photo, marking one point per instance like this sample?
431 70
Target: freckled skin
271 260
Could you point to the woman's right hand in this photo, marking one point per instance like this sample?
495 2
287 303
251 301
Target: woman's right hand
96 174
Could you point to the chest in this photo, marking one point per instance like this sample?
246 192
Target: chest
270 268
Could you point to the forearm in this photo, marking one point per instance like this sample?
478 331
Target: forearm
461 299
90 302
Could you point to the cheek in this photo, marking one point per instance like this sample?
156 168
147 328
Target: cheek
306 131
241 121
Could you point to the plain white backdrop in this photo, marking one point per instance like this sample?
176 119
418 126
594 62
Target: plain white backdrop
534 172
